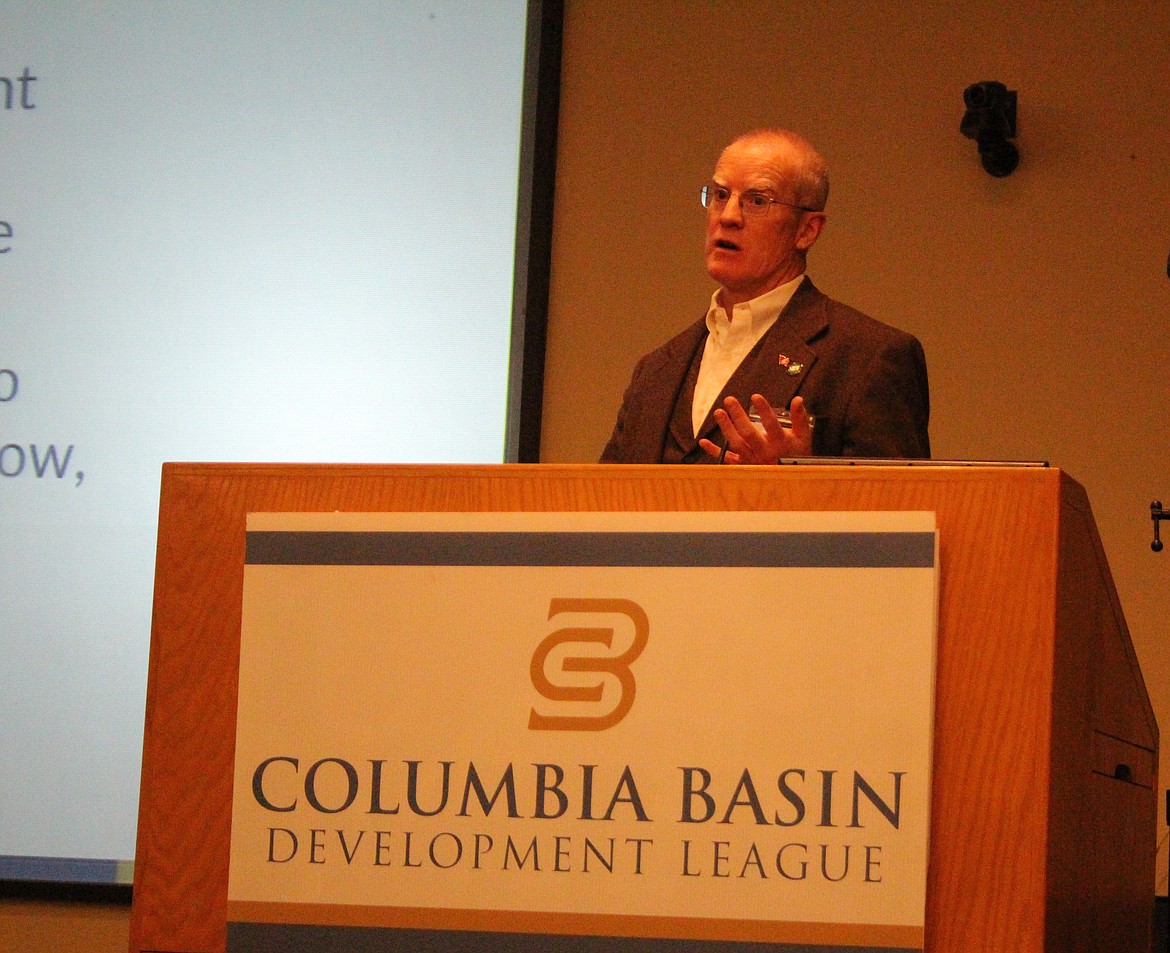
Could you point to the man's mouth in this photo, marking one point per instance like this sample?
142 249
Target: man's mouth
726 245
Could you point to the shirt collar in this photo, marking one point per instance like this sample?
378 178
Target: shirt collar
752 317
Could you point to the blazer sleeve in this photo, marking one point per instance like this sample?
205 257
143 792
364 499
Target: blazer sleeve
889 413
620 446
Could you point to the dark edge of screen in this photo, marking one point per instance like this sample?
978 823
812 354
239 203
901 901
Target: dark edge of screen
119 894
540 109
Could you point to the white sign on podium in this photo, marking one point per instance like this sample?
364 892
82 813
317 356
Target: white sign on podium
509 731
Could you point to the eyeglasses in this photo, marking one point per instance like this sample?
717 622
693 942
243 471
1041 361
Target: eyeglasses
752 203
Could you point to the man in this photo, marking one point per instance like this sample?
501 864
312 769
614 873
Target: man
852 386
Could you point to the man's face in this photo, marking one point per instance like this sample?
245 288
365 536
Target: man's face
748 256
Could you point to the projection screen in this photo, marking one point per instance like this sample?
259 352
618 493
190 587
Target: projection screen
230 230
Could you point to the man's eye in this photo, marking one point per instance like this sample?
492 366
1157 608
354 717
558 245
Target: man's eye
722 195
757 200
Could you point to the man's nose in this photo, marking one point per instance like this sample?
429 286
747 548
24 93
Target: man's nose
732 213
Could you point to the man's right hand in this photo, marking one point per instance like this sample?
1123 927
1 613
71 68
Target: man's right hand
747 444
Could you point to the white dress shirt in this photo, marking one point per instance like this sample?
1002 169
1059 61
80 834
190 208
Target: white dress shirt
731 338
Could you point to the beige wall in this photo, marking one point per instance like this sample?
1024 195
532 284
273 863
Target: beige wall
1042 299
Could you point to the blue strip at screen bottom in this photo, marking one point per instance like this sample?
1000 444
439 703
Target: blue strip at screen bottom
79 870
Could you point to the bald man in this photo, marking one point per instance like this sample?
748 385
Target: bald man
850 386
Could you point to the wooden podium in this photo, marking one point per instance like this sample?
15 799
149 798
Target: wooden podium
1044 799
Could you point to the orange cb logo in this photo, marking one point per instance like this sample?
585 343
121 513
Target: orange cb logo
618 666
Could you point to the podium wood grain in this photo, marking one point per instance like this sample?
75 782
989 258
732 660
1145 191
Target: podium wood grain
1039 840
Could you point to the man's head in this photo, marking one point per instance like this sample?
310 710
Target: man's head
758 243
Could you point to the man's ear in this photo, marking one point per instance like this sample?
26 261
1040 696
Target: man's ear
809 230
